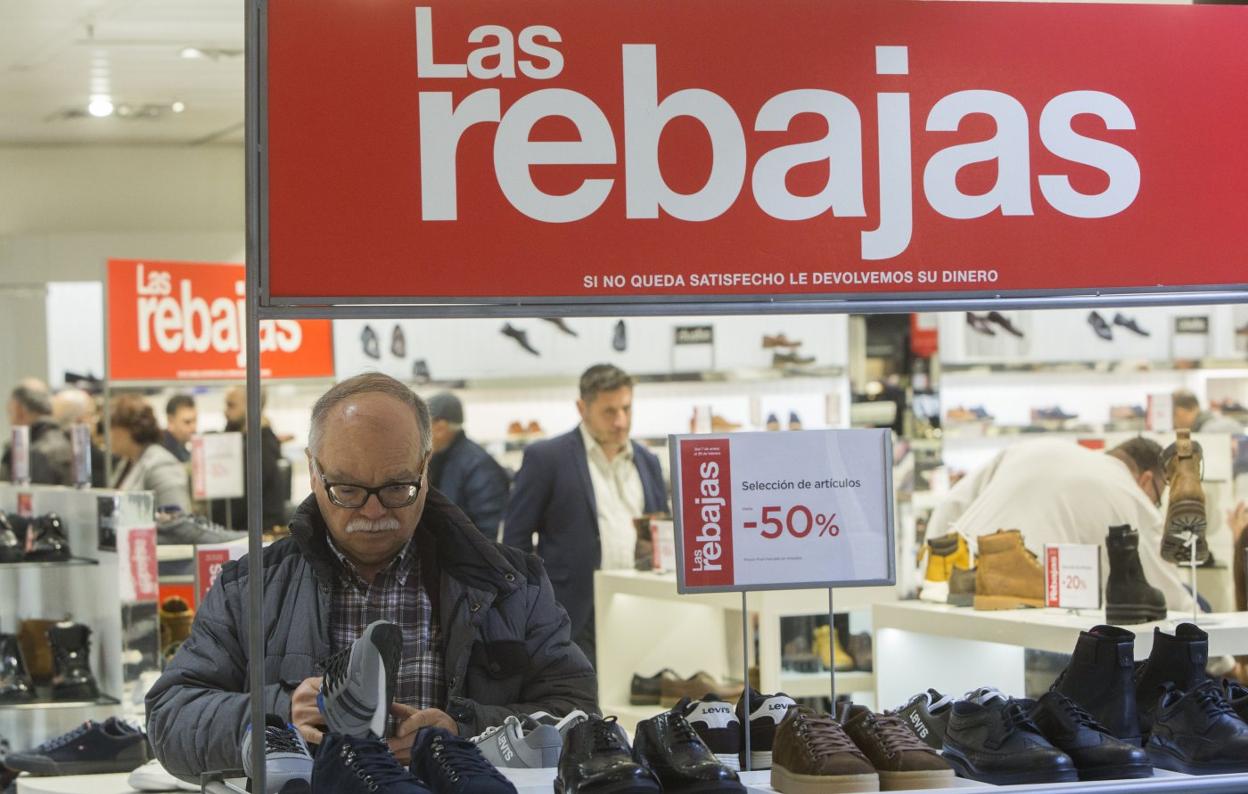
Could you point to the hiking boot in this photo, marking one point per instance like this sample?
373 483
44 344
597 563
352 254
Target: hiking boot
962 587
901 759
997 742
696 687
1096 753
521 743
1198 732
15 683
1129 598
93 748
766 713
71 652
829 651
1185 510
670 747
287 761
647 691
1009 575
942 555
596 759
1176 661
717 724
814 755
46 540
1100 679
451 765
927 714
176 617
10 547
361 765
359 682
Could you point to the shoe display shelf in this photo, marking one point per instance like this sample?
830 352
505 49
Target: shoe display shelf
111 590
644 625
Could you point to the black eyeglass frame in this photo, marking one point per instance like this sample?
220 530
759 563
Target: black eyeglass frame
413 487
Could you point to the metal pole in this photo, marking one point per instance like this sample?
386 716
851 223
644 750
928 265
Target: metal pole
108 442
745 669
832 644
1191 567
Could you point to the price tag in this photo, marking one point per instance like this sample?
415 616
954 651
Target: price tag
1072 576
217 466
759 511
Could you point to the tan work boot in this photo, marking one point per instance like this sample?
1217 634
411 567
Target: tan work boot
1185 513
813 755
1009 576
828 649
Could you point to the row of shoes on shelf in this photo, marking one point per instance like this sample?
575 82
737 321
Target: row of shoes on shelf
822 649
59 656
988 324
40 539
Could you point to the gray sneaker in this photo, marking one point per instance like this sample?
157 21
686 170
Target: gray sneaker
287 762
521 744
359 682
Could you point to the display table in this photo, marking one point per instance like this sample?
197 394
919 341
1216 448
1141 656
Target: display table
957 649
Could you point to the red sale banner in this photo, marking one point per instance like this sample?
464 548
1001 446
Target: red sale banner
482 148
706 512
208 565
185 321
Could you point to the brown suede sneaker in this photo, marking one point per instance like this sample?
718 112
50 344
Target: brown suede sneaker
901 758
813 755
1185 512
1008 576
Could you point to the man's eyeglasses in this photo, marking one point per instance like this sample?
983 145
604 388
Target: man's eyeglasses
392 495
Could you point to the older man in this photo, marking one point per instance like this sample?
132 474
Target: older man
51 458
482 634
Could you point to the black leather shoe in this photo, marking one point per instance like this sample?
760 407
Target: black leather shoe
669 747
398 342
1101 327
10 547
1129 598
368 339
646 690
1198 733
15 683
1237 695
1005 322
521 336
619 337
1101 680
559 323
980 324
998 743
1177 660
1096 753
596 759
1130 324
49 543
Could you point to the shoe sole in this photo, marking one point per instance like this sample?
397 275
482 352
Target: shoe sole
1131 614
961 600
363 702
758 761
730 760
630 787
917 779
1164 760
994 602
787 782
1187 516
1010 778
49 767
935 592
1122 772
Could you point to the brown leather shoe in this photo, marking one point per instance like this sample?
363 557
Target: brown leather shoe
813 755
696 687
1185 513
779 340
900 757
1009 576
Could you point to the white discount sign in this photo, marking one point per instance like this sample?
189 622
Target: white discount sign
217 466
1072 576
760 511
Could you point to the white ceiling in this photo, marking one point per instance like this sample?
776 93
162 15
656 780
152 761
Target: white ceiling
55 55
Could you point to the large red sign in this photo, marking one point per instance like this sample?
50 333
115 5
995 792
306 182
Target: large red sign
184 321
486 148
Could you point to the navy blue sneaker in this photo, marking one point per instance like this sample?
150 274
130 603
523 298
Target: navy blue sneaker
93 748
451 765
354 765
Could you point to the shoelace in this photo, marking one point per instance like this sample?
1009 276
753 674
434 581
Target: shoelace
894 734
461 758
281 740
64 739
374 762
824 736
606 738
682 731
335 668
1077 713
1211 700
1017 718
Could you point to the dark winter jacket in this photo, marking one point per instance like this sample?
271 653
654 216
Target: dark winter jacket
507 642
473 481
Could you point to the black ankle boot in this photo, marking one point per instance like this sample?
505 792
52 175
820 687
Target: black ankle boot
1129 598
10 546
71 653
49 543
1099 679
1177 661
15 683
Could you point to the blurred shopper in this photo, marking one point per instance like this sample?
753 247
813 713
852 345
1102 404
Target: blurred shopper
1237 521
73 406
579 493
51 458
1189 416
462 470
275 489
1060 492
181 422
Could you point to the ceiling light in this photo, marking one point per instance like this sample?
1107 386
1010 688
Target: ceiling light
178 107
100 107
191 52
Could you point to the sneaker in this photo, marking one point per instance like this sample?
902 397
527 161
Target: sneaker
998 743
597 760
717 725
814 755
153 777
1196 732
927 714
1096 753
901 759
520 743
361 765
451 765
669 746
562 724
766 714
359 682
93 748
287 762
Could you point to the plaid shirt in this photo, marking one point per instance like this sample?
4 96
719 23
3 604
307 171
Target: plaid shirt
398 594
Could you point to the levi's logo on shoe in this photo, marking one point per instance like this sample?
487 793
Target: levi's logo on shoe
717 710
919 727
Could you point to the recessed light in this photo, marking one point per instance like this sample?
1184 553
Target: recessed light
178 107
100 107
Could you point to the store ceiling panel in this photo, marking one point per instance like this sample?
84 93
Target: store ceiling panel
58 56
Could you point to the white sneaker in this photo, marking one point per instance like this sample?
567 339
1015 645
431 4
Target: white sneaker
153 777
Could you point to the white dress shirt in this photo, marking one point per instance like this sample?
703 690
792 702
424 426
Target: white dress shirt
620 498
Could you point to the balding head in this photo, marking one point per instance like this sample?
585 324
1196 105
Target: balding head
73 407
29 402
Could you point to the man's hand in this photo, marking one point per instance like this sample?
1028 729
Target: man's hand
304 714
412 720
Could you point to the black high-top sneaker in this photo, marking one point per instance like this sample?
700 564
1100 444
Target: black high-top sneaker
10 546
1177 661
1129 598
15 683
1100 679
766 712
71 653
46 540
927 714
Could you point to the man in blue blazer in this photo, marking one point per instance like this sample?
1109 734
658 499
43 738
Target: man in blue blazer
578 493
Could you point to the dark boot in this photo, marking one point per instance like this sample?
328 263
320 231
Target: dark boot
10 546
1129 598
1177 661
1100 679
71 653
47 541
15 683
